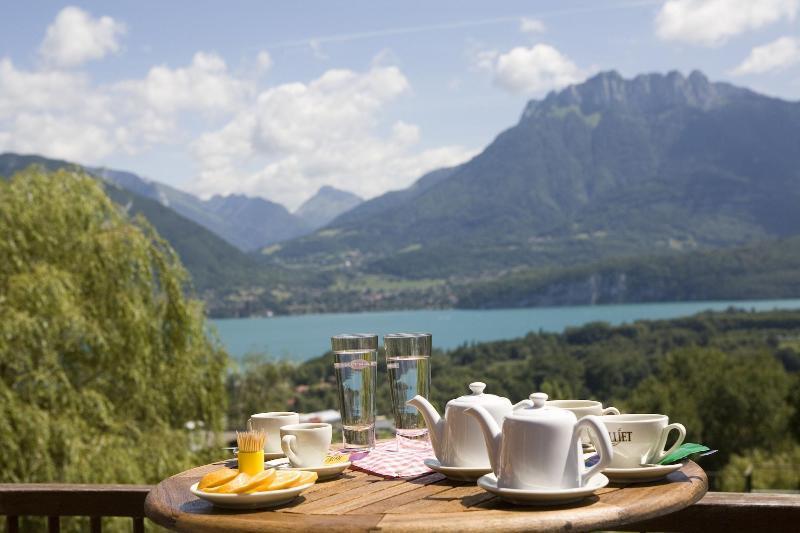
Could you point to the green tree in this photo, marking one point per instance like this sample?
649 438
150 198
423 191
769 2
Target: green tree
103 360
731 403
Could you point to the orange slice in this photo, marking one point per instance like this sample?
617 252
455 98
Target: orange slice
265 476
282 480
305 477
231 486
217 477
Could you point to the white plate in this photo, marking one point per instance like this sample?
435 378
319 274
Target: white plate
642 474
254 500
459 473
542 496
323 471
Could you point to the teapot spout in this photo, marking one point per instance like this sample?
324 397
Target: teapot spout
432 420
491 433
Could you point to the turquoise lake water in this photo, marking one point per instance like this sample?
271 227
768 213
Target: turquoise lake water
302 337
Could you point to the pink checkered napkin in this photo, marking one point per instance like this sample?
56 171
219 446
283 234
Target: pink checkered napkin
386 461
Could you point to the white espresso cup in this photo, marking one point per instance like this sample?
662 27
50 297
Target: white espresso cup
582 408
639 439
271 423
306 445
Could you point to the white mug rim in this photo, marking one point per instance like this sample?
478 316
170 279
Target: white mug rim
576 404
274 414
634 418
306 427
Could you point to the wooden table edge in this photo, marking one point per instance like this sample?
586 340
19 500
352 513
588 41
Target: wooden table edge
160 508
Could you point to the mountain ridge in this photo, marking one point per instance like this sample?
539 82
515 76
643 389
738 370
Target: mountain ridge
608 167
325 205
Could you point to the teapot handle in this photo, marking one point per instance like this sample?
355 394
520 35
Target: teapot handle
599 436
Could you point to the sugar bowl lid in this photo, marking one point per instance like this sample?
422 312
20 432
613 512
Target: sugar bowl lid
478 397
540 411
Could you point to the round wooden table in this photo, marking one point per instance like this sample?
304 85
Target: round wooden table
358 501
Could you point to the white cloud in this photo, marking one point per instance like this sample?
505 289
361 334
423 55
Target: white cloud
76 37
263 61
712 22
529 25
22 91
85 122
205 84
530 71
281 142
777 55
327 131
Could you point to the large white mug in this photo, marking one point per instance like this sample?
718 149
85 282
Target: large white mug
582 408
271 423
306 445
639 439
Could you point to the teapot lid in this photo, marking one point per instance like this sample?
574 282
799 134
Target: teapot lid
478 397
538 410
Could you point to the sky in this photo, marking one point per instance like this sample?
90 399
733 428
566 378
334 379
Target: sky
276 99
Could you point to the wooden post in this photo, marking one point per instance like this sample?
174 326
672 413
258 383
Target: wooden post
748 478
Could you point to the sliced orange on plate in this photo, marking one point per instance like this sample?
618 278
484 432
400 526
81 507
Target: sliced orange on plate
228 488
217 477
282 480
306 477
262 478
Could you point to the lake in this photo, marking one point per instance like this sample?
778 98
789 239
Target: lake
302 337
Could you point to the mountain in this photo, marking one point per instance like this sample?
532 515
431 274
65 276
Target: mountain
217 268
762 270
249 223
327 204
607 168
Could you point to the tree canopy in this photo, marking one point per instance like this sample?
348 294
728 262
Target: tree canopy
103 359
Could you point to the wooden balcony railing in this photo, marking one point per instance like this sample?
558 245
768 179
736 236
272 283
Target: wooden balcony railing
54 501
722 512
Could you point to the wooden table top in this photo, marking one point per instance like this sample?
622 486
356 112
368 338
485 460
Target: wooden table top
358 501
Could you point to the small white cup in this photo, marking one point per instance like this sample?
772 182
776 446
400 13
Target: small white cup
640 438
582 408
306 445
271 423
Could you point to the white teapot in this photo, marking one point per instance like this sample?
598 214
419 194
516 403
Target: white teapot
456 439
540 446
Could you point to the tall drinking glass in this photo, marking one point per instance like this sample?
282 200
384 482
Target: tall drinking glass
356 365
408 365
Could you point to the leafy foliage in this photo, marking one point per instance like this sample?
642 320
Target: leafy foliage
103 359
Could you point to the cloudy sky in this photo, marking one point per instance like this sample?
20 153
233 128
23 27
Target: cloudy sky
277 99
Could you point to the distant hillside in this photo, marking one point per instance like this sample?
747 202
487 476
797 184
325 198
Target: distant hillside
768 270
217 268
607 168
327 204
249 223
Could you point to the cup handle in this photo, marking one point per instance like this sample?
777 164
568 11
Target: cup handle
660 453
287 443
610 411
598 435
249 424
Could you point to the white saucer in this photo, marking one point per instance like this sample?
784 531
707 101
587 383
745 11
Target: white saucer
642 474
253 500
459 473
542 496
323 471
271 456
